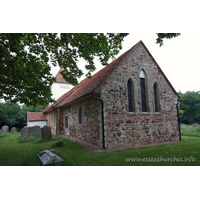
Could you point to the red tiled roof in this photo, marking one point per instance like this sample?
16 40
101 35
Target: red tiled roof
59 77
88 86
36 116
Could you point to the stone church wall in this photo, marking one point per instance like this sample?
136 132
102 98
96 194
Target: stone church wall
90 129
123 128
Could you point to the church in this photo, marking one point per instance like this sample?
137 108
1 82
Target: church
129 103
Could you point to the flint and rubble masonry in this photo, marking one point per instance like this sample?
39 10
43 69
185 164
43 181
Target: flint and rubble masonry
142 128
121 127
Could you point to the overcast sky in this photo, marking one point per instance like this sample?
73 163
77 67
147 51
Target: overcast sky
179 58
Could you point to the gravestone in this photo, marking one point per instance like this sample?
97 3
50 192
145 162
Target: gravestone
35 130
26 131
30 130
49 157
13 129
4 129
46 132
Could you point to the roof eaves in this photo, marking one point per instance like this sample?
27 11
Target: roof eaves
77 99
62 82
34 120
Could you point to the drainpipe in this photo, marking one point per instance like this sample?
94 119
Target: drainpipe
178 120
102 115
56 119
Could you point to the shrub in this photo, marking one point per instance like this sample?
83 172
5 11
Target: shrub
27 138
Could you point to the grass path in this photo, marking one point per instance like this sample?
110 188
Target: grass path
184 153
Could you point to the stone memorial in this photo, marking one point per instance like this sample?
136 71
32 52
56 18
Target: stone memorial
35 130
46 132
26 131
48 157
13 129
30 130
4 129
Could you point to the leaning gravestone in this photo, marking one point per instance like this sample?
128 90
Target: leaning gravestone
26 131
46 132
13 129
35 130
4 129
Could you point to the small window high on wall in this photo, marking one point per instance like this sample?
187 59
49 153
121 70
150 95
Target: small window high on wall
80 115
143 91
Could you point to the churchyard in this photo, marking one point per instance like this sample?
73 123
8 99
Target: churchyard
23 151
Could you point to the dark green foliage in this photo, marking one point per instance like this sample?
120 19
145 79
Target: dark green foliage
27 139
189 109
25 73
34 139
25 61
38 108
12 114
161 36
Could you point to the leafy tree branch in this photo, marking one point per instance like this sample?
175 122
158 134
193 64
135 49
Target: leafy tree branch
26 59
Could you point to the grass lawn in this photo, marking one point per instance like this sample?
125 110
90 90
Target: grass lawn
190 130
14 153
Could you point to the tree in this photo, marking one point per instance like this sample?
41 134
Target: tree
161 36
25 61
12 114
9 114
190 107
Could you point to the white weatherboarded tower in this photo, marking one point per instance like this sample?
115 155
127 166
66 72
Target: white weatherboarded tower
60 86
